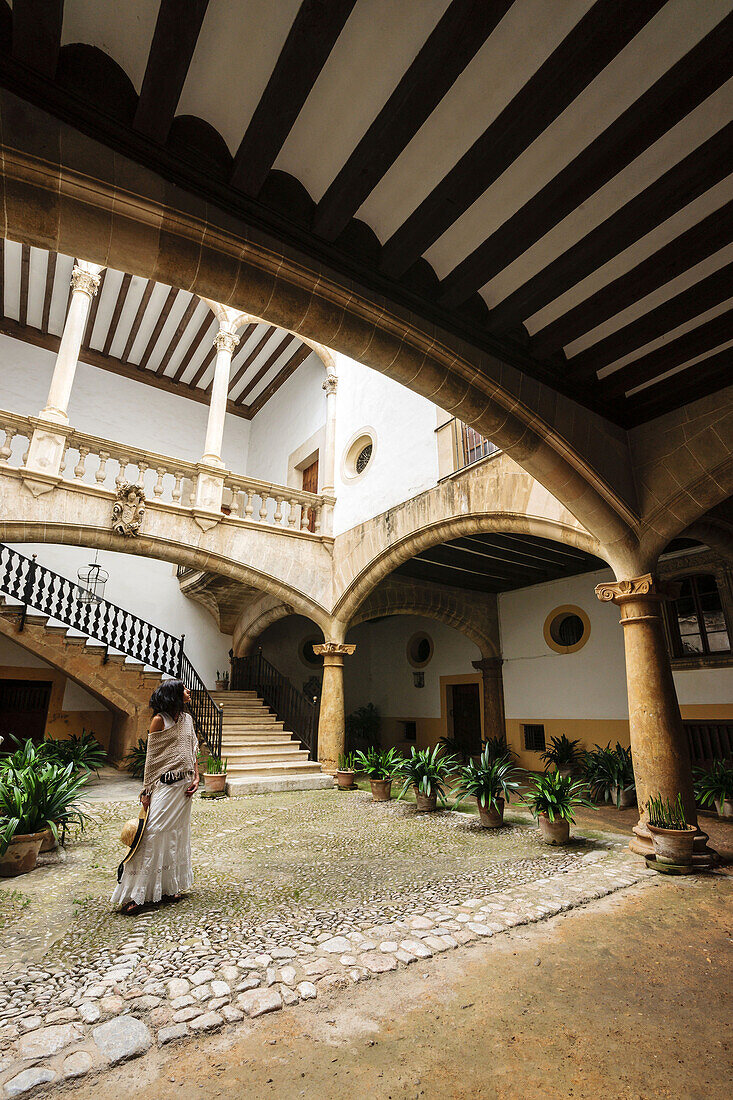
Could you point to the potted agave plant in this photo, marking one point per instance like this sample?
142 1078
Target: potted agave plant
215 776
714 786
34 803
563 754
222 680
552 798
345 772
380 766
609 774
490 782
672 837
427 771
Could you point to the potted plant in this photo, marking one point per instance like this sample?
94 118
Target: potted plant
427 770
498 748
379 765
563 754
490 782
714 786
672 837
34 802
136 757
215 775
345 773
222 680
551 798
84 752
451 746
609 775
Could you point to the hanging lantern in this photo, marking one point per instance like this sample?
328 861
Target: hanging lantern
91 582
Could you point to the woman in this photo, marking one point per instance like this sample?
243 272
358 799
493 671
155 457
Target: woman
161 867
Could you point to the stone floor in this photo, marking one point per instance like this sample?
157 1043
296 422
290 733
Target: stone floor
296 897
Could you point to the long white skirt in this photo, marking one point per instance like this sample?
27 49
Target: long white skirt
162 863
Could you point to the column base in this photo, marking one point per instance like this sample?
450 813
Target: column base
703 856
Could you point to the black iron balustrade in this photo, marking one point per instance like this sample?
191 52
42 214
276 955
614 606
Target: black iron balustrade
57 597
296 711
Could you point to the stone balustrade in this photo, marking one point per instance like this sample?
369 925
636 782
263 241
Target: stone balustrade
91 460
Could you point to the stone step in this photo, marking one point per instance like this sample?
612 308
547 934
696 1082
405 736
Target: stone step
57 631
276 755
244 725
33 619
233 696
77 641
280 738
273 768
242 786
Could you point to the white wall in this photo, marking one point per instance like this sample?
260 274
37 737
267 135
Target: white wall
292 415
148 588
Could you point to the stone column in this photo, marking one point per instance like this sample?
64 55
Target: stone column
658 740
328 476
493 692
210 481
51 427
332 719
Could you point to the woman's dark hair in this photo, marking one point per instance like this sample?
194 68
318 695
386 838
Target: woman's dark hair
168 698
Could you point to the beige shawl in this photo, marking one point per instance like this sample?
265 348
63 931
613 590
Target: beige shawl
173 749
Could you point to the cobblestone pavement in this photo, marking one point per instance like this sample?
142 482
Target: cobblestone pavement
293 895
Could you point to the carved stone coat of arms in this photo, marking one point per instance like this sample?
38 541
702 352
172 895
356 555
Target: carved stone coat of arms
128 510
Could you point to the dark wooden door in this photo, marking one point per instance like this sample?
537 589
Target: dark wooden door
23 709
466 711
310 485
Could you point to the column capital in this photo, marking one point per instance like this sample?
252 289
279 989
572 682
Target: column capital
330 385
334 649
225 341
645 587
488 664
85 281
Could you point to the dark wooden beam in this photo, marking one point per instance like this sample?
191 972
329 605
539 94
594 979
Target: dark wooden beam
676 188
456 39
436 574
678 92
207 325
119 306
595 40
307 46
693 302
93 309
704 338
48 290
37 34
51 343
174 41
137 320
267 365
25 265
158 327
707 376
207 361
250 358
684 252
281 377
178 334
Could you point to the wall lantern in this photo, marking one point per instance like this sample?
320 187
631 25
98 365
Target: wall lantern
418 679
91 582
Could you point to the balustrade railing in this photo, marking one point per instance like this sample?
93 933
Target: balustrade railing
90 460
296 711
35 586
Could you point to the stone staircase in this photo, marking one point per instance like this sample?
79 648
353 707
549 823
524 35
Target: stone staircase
261 755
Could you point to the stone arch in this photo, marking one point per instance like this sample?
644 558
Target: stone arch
256 618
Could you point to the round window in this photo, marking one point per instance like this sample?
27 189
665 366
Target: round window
307 656
363 458
358 454
420 650
567 629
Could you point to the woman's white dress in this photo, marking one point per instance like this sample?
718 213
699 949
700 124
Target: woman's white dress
162 864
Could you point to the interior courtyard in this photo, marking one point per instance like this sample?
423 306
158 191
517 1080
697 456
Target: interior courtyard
365 367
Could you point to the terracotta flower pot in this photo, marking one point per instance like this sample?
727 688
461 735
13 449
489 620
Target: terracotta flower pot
49 842
673 845
724 807
381 789
215 784
492 818
554 832
21 855
566 771
626 800
345 779
426 803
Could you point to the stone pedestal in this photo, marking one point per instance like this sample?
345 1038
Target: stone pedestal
493 695
209 492
332 719
45 455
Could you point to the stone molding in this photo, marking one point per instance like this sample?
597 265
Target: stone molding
489 665
226 341
84 281
330 385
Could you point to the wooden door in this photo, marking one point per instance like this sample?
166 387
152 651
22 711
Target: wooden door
310 485
466 710
23 709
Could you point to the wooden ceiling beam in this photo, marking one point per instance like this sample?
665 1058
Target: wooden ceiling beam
171 50
305 51
280 378
48 290
93 309
454 42
267 365
676 188
708 376
596 39
37 34
250 358
684 252
671 98
686 305
207 325
25 265
204 366
244 337
178 334
137 321
158 327
119 306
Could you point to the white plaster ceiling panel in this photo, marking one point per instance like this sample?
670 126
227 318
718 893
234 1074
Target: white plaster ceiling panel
60 294
36 286
149 321
669 150
172 321
127 316
276 366
630 257
124 30
675 30
105 308
197 319
689 365
273 342
237 49
521 42
11 281
644 305
201 352
363 69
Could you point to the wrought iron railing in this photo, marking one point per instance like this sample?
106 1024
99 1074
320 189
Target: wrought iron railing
296 711
35 586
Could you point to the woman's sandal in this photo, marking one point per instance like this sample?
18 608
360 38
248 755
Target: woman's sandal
131 909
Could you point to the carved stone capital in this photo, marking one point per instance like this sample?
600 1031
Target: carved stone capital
644 587
330 385
225 341
84 281
334 649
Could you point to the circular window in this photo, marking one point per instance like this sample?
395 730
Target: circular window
567 629
358 454
307 656
420 650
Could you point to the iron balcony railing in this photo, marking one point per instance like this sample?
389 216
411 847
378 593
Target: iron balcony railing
35 586
296 711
